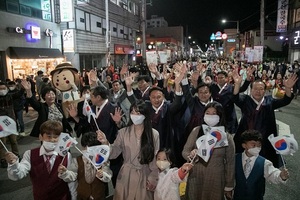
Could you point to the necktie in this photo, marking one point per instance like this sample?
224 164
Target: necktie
97 110
247 167
48 165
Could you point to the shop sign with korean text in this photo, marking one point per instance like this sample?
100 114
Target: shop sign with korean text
68 40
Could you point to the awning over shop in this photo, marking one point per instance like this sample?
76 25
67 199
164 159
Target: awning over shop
33 53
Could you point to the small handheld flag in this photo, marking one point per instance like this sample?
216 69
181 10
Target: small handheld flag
64 144
284 144
98 154
8 126
205 145
87 111
219 133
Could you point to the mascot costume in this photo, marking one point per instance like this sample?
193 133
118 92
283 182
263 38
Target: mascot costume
65 78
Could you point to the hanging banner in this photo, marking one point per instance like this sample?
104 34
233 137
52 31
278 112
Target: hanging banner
282 16
258 53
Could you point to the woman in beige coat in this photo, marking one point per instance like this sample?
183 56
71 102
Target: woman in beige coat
138 144
215 178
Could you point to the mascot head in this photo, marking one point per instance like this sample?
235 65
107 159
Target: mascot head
64 76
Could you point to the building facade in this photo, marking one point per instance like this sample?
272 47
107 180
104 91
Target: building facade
156 22
39 34
89 33
30 40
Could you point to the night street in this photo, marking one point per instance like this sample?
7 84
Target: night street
289 115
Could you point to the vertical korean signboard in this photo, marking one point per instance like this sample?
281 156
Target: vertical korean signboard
282 16
66 10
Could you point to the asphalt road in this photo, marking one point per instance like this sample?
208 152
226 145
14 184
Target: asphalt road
290 115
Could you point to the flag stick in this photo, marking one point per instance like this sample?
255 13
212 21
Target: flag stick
4 146
96 122
192 160
282 161
86 157
63 159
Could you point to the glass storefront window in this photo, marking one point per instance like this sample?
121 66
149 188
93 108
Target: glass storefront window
24 67
33 8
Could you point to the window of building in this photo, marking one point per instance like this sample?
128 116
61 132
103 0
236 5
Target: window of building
114 29
25 10
82 20
2 5
121 31
103 31
12 7
33 8
98 24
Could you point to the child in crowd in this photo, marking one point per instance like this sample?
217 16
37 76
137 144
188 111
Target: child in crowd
169 178
91 182
42 163
251 169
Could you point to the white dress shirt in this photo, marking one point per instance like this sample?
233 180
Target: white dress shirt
99 108
19 170
271 174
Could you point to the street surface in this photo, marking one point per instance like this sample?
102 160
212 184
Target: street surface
288 121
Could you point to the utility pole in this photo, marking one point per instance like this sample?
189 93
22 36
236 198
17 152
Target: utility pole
107 35
262 22
143 27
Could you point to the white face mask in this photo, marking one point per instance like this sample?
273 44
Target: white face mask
50 146
12 88
87 96
137 119
211 120
254 151
3 92
163 164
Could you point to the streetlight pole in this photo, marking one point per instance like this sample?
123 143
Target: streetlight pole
237 32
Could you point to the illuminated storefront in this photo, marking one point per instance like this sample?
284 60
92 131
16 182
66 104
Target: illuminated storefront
27 61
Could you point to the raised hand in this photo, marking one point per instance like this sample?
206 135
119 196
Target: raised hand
72 109
129 79
26 84
236 77
93 76
124 70
118 115
290 82
250 71
152 68
200 67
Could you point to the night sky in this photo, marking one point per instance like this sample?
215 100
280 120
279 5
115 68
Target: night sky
203 17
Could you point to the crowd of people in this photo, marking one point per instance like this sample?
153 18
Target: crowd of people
152 121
